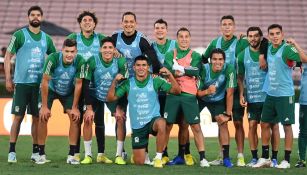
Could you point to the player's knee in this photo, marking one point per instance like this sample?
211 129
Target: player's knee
238 124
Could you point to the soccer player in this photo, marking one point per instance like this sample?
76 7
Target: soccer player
250 73
142 92
184 63
62 79
162 45
130 43
232 46
30 45
102 69
279 103
88 44
217 84
302 137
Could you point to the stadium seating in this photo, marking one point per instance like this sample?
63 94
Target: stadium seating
201 17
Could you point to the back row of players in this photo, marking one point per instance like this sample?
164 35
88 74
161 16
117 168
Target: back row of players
90 71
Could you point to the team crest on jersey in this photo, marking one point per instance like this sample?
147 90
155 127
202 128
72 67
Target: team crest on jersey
17 108
136 139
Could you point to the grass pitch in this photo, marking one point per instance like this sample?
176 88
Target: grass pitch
57 149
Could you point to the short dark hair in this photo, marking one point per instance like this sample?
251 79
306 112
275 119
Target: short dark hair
253 28
33 8
218 51
141 57
161 21
129 13
183 29
87 13
227 17
272 26
69 43
107 39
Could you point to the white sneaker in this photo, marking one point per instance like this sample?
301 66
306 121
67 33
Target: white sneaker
42 160
147 160
204 163
72 160
262 162
11 158
35 157
216 162
283 165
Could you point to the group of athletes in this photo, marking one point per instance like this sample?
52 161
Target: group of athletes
163 82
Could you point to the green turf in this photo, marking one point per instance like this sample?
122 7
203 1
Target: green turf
57 148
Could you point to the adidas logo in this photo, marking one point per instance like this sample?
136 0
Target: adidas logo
196 118
287 119
65 76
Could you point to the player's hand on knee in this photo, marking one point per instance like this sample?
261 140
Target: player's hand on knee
44 114
88 116
75 114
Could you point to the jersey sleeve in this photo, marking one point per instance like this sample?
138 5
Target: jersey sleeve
122 65
16 42
51 63
161 84
81 64
122 89
240 63
241 45
231 80
290 53
168 61
196 63
209 49
90 68
72 36
50 45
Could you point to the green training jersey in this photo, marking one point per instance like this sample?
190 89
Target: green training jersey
18 39
91 66
86 41
241 45
240 60
53 62
160 84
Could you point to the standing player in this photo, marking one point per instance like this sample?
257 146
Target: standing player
184 64
302 137
130 43
88 44
102 69
142 92
217 85
162 45
30 46
279 103
249 71
232 46
62 79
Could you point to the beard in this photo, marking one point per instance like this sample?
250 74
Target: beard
35 23
256 45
